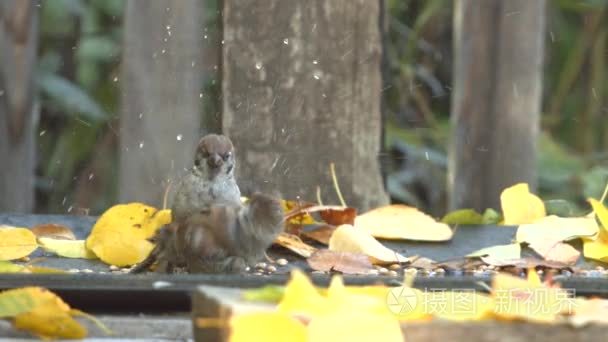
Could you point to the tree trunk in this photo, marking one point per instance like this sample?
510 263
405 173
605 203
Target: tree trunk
301 90
496 100
161 98
18 112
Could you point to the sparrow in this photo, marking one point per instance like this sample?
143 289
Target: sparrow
211 179
224 237
228 237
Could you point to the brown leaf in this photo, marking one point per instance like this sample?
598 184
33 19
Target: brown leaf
294 244
321 234
307 208
424 263
339 216
556 251
55 231
345 262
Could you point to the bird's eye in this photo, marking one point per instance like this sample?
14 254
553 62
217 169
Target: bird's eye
225 156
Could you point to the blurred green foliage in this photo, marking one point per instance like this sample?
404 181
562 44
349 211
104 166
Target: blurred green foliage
79 82
572 159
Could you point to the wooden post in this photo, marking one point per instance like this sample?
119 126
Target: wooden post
496 100
161 98
301 90
18 110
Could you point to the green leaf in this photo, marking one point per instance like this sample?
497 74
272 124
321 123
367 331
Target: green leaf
98 48
268 293
463 216
70 97
491 216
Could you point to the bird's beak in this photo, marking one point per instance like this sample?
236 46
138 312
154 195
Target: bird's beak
214 161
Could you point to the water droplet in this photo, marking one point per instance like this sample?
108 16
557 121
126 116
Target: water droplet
179 137
115 79
43 132
286 41
258 65
200 95
315 61
91 176
168 27
163 51
141 144
141 115
205 36
316 76
193 63
222 42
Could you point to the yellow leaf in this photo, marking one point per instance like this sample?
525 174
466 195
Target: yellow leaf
266 326
499 252
66 248
351 326
347 238
407 303
17 301
458 305
598 248
402 222
516 298
589 311
16 242
47 322
302 298
9 267
519 206
119 237
41 312
556 229
301 219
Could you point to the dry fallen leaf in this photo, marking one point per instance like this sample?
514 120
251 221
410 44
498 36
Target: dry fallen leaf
52 230
347 238
320 234
588 311
423 263
353 325
16 242
556 229
402 222
266 326
294 244
42 313
339 216
519 206
345 262
66 248
8 267
517 298
499 252
556 251
598 248
120 236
